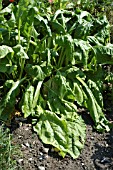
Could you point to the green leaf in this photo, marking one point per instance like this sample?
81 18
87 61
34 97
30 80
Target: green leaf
30 99
77 136
62 134
96 92
77 90
5 65
57 27
104 54
96 113
4 50
37 93
44 24
7 104
20 52
27 102
35 72
85 48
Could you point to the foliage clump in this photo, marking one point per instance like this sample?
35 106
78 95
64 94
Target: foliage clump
51 63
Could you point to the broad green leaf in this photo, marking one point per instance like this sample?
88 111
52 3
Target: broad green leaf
4 50
96 76
108 49
5 65
52 130
102 29
61 133
77 136
84 47
6 10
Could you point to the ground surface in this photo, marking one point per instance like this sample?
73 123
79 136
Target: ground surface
96 155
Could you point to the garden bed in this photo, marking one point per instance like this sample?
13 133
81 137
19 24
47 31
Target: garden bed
96 155
55 59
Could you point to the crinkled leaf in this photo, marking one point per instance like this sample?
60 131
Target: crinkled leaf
61 133
108 49
77 136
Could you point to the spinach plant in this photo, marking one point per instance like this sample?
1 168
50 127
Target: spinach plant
51 63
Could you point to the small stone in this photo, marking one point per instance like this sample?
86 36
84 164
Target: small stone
30 159
34 142
92 137
20 124
46 157
82 164
45 150
23 146
26 129
19 137
107 145
41 168
41 153
27 144
105 160
20 161
41 158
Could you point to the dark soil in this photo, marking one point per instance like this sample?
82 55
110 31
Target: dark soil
96 155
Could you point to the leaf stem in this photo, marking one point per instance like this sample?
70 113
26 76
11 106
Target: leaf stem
19 25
